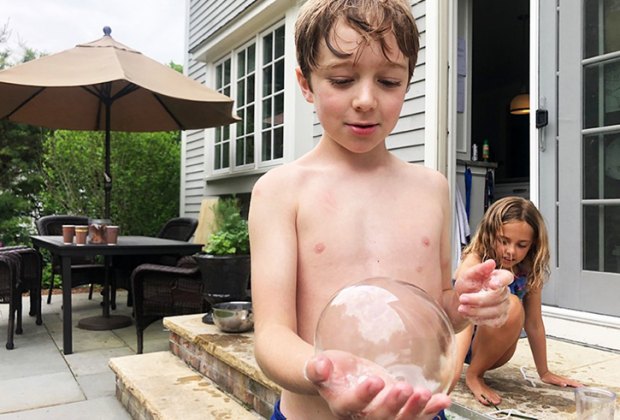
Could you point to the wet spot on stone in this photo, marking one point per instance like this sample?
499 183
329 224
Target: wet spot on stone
186 379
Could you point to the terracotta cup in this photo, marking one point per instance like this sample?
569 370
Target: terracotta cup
81 232
67 234
111 235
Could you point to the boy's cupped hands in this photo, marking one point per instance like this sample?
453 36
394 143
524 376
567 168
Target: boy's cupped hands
356 388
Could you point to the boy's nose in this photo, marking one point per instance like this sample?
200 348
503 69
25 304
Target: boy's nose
364 99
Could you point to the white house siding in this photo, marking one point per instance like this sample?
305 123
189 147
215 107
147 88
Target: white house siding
210 18
205 18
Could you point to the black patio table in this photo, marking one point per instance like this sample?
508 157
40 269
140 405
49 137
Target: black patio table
127 245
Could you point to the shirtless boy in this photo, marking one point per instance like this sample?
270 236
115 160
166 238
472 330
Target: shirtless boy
349 210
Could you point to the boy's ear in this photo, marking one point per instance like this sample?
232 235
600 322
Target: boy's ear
304 84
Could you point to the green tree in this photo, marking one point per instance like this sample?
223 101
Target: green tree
145 169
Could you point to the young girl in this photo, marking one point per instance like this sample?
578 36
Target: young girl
512 232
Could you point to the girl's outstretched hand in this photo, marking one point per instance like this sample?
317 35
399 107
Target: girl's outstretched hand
483 294
371 395
553 379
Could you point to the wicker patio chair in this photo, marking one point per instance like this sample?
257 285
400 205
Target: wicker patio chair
30 275
162 290
177 228
20 272
84 271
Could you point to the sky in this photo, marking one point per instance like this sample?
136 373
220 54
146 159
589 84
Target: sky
156 28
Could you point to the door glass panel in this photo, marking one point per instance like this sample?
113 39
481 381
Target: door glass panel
602 94
601 27
601 166
601 143
601 238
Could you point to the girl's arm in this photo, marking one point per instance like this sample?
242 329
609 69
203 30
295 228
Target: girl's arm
536 336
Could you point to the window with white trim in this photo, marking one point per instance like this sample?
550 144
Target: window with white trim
253 75
221 152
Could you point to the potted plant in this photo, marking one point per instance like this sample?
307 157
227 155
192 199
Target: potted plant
225 265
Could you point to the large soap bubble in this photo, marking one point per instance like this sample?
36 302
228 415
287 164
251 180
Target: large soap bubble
394 325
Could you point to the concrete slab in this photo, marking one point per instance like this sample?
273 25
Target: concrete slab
94 361
38 391
98 385
97 409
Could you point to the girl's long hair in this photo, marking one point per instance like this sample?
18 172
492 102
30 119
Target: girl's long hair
514 209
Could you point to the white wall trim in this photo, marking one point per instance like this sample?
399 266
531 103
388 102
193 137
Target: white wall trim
431 83
582 327
534 102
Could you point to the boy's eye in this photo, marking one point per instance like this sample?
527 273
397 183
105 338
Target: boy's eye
390 83
340 81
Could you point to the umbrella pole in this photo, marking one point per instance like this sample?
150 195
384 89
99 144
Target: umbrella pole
106 321
107 182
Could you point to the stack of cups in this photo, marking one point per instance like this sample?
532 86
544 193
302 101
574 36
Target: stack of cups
67 234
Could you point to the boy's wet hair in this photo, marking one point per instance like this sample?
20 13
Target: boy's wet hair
372 19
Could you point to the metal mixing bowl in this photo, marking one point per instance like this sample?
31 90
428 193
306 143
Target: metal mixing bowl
233 316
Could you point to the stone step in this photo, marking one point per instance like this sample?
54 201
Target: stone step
161 386
226 359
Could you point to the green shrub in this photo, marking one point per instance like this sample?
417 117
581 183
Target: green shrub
231 230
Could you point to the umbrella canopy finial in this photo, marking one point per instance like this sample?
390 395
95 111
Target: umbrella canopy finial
107 30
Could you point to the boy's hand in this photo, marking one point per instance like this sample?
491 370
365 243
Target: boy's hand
483 294
371 395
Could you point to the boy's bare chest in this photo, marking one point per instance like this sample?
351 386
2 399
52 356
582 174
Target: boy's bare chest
374 223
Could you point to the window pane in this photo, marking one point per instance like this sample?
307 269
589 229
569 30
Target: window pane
226 155
240 93
251 58
601 154
267 81
227 132
267 113
279 76
218 76
279 47
278 143
602 94
601 238
227 72
240 128
217 157
239 152
249 150
241 64
266 149
601 27
218 134
278 111
249 120
251 81
267 48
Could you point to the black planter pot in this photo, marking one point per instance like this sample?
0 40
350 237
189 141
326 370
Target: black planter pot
225 278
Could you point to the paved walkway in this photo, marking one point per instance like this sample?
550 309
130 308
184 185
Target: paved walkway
38 382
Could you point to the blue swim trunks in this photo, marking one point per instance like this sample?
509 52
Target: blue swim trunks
277 414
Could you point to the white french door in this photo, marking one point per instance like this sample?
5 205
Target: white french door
579 151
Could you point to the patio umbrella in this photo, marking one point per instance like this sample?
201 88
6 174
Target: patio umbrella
106 86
